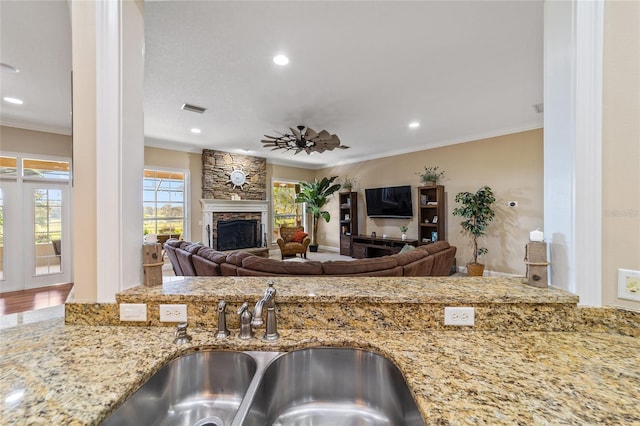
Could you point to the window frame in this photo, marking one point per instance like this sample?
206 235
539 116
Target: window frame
186 215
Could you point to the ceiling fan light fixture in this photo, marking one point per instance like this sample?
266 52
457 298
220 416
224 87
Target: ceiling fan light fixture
280 60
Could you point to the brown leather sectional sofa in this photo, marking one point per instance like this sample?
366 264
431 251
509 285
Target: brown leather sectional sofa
190 259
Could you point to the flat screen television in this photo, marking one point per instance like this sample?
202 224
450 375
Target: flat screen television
391 201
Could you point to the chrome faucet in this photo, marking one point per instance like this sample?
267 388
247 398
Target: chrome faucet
223 332
269 302
245 322
180 335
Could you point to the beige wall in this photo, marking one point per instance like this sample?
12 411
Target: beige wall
33 142
621 147
169 159
511 165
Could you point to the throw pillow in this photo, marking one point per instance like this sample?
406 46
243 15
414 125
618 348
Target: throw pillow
298 236
407 248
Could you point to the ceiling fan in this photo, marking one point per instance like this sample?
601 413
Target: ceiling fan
303 139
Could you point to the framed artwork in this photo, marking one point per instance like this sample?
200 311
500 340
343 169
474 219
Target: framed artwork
434 236
435 219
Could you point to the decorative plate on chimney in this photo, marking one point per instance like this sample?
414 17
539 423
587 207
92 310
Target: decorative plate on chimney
237 178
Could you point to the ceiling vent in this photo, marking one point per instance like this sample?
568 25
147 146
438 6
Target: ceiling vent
193 108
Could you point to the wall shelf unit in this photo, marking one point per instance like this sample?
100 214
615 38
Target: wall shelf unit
431 201
348 220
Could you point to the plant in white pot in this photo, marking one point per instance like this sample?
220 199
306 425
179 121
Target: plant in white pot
315 195
477 211
403 230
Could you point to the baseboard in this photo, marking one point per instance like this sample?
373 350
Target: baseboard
329 248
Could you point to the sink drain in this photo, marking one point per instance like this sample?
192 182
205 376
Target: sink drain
209 421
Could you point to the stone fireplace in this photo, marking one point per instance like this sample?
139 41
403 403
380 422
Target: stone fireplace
240 207
215 211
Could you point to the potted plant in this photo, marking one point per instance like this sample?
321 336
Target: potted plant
477 210
431 175
404 229
348 183
315 195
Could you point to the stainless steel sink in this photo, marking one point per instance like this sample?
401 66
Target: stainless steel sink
200 389
331 387
307 387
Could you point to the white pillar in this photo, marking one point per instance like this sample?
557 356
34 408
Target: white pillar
108 38
573 145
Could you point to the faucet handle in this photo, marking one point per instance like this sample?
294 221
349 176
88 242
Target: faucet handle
181 335
245 322
223 331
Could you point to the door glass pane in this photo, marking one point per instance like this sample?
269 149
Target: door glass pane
1 235
47 230
45 169
285 210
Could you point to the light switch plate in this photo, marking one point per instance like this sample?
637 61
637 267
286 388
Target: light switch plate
133 312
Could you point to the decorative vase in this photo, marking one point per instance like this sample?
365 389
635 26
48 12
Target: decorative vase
475 269
429 183
404 236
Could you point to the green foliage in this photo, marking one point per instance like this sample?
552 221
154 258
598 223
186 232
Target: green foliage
477 210
404 228
431 174
315 195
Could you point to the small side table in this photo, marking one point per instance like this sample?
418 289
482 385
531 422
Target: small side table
152 264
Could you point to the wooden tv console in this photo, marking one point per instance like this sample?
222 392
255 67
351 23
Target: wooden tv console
363 246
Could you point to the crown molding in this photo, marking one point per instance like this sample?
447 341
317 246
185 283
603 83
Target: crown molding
38 127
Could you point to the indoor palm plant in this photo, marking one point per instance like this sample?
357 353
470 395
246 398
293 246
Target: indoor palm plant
315 195
477 210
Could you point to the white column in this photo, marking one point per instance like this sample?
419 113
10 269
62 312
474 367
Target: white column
573 145
108 147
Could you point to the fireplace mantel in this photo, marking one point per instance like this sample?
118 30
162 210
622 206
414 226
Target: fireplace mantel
212 206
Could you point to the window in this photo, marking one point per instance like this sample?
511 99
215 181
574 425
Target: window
45 169
164 202
8 167
286 212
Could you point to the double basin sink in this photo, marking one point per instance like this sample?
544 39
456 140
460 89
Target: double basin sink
315 386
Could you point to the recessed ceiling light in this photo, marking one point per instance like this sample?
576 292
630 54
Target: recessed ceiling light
196 131
9 67
13 100
414 124
280 60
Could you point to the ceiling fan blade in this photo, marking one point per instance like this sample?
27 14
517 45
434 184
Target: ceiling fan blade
269 141
343 147
324 135
298 150
310 133
295 132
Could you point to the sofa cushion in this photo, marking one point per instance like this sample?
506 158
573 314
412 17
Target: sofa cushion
359 266
204 267
281 267
420 268
298 236
173 242
435 247
237 257
213 255
410 256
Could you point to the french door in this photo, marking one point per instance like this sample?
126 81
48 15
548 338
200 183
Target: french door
35 235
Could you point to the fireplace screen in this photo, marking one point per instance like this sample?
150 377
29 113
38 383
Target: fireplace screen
238 234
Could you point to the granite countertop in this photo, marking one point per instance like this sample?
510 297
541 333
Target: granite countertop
52 373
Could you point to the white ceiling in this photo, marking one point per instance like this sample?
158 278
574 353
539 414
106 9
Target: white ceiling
363 70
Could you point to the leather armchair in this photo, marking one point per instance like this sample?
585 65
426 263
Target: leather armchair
292 248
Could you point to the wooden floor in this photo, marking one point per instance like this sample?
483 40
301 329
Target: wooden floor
37 298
